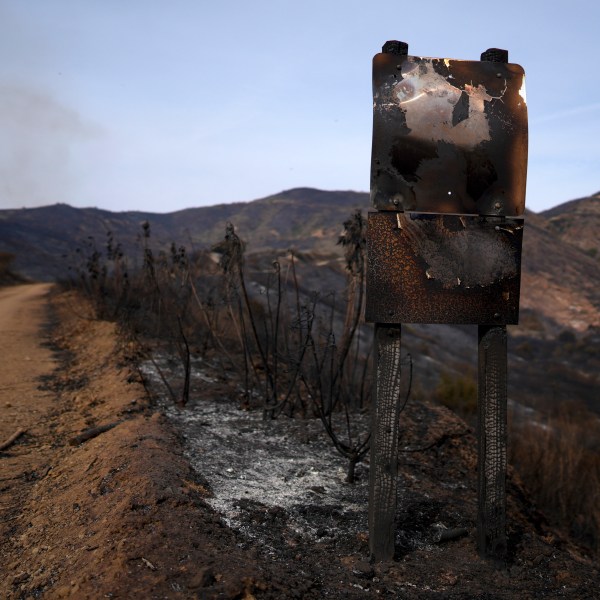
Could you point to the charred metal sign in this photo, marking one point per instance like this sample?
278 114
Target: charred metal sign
448 172
449 136
434 268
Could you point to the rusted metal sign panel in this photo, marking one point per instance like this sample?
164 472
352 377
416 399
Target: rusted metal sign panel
449 136
436 268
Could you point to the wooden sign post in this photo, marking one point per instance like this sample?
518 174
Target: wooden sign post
448 171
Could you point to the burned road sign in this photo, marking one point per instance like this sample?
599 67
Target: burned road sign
449 136
448 173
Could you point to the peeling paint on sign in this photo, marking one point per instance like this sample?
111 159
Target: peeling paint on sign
432 103
449 136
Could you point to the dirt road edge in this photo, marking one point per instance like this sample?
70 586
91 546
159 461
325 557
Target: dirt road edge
120 515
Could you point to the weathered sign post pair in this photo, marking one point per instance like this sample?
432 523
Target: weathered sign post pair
449 165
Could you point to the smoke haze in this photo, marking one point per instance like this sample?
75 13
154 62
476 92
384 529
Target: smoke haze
39 135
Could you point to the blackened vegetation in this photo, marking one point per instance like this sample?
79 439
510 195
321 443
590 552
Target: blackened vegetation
7 275
297 346
292 350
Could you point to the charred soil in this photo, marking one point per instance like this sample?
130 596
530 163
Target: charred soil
110 494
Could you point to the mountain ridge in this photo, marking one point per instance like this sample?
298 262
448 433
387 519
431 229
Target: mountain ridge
561 270
40 237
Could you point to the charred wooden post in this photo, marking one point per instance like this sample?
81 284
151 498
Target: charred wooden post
491 442
383 472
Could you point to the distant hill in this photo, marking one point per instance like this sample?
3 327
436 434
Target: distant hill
42 239
577 222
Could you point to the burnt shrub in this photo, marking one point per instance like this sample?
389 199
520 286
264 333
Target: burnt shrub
559 461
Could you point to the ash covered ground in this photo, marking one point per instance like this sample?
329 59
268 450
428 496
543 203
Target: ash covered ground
280 486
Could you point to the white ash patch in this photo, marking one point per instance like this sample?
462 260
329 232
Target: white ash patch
284 463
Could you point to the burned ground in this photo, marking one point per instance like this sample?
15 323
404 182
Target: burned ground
210 501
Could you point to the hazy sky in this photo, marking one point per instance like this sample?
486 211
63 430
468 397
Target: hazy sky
161 105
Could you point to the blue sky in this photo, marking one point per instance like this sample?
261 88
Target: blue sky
158 106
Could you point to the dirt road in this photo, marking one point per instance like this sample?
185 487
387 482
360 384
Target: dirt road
119 515
23 359
24 407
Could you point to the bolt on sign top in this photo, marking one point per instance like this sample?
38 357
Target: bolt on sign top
449 136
